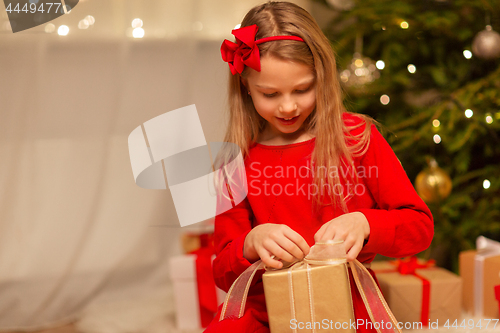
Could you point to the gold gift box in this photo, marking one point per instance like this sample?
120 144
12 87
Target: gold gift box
320 298
403 293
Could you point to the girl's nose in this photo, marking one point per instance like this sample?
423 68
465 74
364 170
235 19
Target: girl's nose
288 106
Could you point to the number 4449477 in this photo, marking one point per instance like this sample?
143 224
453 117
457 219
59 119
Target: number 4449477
470 324
33 8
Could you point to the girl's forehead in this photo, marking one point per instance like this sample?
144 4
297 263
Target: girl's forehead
280 72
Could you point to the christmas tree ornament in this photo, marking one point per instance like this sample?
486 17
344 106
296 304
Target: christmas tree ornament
361 70
341 4
433 184
486 44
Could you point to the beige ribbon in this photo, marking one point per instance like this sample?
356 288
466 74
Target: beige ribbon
321 254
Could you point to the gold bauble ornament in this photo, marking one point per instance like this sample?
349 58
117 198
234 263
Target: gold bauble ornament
486 44
433 184
360 72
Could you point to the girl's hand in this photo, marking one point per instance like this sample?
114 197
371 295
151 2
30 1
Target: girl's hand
352 228
279 240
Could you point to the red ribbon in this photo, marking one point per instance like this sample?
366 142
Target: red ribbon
407 267
207 295
497 294
245 51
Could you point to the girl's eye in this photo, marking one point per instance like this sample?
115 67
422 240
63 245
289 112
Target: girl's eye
303 90
270 95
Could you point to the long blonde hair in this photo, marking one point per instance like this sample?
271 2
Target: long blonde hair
332 133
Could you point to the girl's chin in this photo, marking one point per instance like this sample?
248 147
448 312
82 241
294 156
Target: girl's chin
288 129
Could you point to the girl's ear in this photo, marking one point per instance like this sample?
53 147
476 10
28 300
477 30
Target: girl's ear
244 82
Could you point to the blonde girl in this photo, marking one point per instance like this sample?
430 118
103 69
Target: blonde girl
287 115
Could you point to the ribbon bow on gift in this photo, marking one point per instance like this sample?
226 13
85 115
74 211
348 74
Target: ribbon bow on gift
321 254
245 51
409 265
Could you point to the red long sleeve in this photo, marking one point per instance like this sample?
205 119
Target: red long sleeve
400 222
231 228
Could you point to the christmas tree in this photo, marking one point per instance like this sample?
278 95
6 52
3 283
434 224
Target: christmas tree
429 71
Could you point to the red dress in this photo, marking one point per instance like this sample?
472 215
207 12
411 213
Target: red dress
280 190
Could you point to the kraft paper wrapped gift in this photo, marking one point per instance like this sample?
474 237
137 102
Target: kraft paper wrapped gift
405 293
187 305
328 288
313 293
480 270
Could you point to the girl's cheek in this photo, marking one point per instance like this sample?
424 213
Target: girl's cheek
309 101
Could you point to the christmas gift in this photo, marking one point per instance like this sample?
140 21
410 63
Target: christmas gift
480 270
192 241
417 291
196 296
313 294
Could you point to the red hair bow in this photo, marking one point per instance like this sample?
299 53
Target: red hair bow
245 51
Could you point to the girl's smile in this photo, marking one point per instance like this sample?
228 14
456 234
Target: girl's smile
284 94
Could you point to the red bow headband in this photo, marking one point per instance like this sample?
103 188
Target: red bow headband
245 50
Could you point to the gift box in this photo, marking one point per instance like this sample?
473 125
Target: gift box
479 270
192 241
416 291
195 305
313 294
320 294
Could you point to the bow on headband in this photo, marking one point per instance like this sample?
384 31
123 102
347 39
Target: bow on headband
245 51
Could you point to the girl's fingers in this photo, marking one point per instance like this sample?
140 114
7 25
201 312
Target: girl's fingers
349 242
319 234
299 247
354 251
278 251
291 247
329 233
266 258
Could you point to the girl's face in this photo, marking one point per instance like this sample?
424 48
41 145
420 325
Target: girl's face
284 94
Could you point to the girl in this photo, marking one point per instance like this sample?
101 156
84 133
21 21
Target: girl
315 172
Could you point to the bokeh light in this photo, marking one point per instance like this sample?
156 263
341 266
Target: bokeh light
63 30
384 99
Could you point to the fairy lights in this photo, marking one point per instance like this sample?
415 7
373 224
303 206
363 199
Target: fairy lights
489 118
137 23
63 30
384 99
138 33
